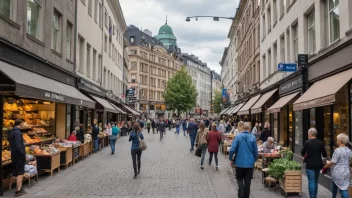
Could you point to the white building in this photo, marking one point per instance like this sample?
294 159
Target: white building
100 29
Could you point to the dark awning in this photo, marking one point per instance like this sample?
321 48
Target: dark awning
257 108
131 110
32 85
224 110
118 109
106 105
245 109
281 102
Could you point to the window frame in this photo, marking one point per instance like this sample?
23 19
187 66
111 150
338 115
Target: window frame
311 27
56 45
329 12
69 40
39 32
88 61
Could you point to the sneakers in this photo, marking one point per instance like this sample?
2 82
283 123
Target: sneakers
202 167
135 176
217 168
138 172
20 193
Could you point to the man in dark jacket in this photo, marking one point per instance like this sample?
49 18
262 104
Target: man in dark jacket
161 128
153 126
95 132
18 156
192 130
265 133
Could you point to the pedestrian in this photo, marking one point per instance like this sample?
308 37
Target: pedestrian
313 150
141 124
136 152
18 156
161 128
95 132
340 167
72 137
265 132
221 127
260 127
192 130
201 140
170 124
245 149
80 133
177 125
228 127
113 137
214 139
184 127
129 127
157 126
148 125
255 129
153 126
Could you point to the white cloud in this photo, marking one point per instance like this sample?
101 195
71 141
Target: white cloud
204 38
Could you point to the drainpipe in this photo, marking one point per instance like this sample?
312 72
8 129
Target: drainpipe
75 42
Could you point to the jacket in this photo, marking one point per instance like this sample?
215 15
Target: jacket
193 129
201 137
313 149
95 131
184 125
213 139
162 126
221 128
246 150
15 139
114 132
135 140
265 134
72 138
80 135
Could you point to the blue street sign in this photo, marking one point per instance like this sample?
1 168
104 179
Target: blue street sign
287 67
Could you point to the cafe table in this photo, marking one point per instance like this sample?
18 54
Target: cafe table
267 158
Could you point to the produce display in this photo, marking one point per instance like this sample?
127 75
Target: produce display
6 155
45 150
102 134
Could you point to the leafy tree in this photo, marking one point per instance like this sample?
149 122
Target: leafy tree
180 93
217 101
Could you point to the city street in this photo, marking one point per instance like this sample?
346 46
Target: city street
168 170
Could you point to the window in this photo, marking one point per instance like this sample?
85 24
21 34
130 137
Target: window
81 54
282 49
56 37
90 7
96 10
88 61
99 68
100 15
264 67
334 20
33 19
109 46
132 39
269 19
288 45
264 26
275 11
134 52
69 41
106 43
106 19
5 8
269 62
275 63
295 41
311 32
282 7
95 77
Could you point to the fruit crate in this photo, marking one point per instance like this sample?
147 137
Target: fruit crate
292 183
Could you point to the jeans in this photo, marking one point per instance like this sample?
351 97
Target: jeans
136 158
96 141
112 145
193 138
244 177
148 130
161 134
215 156
177 130
313 179
335 189
153 129
204 151
184 131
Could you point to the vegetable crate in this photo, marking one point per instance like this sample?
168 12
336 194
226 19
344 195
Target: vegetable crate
292 183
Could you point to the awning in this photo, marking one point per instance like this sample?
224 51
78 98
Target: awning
106 105
281 102
238 107
257 108
231 110
322 93
32 85
224 110
228 110
131 110
118 109
245 109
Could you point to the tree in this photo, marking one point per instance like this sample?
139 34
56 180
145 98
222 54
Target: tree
217 101
180 93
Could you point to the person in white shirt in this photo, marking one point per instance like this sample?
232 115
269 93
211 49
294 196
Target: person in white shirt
255 129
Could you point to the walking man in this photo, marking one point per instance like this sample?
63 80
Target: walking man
153 126
177 125
244 147
184 126
192 130
95 132
18 156
162 127
148 125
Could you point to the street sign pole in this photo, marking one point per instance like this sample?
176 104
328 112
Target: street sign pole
303 66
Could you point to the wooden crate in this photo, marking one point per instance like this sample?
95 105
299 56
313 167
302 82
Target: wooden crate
292 182
48 163
66 157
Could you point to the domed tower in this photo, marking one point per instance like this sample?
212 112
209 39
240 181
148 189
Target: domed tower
166 36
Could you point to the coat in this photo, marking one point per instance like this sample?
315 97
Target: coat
265 134
201 137
214 139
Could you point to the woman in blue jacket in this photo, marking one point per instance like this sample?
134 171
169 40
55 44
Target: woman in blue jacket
135 151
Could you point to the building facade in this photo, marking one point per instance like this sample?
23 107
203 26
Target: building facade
216 83
201 77
151 65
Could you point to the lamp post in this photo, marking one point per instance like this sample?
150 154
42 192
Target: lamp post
215 18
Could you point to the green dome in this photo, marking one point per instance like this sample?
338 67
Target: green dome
166 36
165 29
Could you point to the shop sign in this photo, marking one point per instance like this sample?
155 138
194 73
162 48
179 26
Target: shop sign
132 99
302 60
130 92
324 101
291 85
54 96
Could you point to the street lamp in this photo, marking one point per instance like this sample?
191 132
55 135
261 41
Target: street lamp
215 18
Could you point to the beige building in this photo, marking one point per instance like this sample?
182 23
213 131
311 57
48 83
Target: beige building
247 29
151 66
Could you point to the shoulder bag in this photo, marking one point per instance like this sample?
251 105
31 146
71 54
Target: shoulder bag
142 144
199 149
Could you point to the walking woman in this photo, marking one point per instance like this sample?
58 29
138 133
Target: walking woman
340 167
201 140
221 127
214 139
135 151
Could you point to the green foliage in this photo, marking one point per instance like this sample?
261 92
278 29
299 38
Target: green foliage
217 102
278 167
287 153
180 93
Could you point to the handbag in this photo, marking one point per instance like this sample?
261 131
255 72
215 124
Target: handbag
142 144
199 149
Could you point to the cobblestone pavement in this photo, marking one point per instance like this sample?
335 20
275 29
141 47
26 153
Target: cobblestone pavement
169 169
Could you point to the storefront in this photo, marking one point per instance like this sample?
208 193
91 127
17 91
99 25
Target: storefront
105 109
132 114
245 113
258 111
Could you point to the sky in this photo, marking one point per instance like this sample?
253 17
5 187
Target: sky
204 38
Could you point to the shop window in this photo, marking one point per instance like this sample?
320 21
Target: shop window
312 118
68 120
298 127
327 130
340 115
